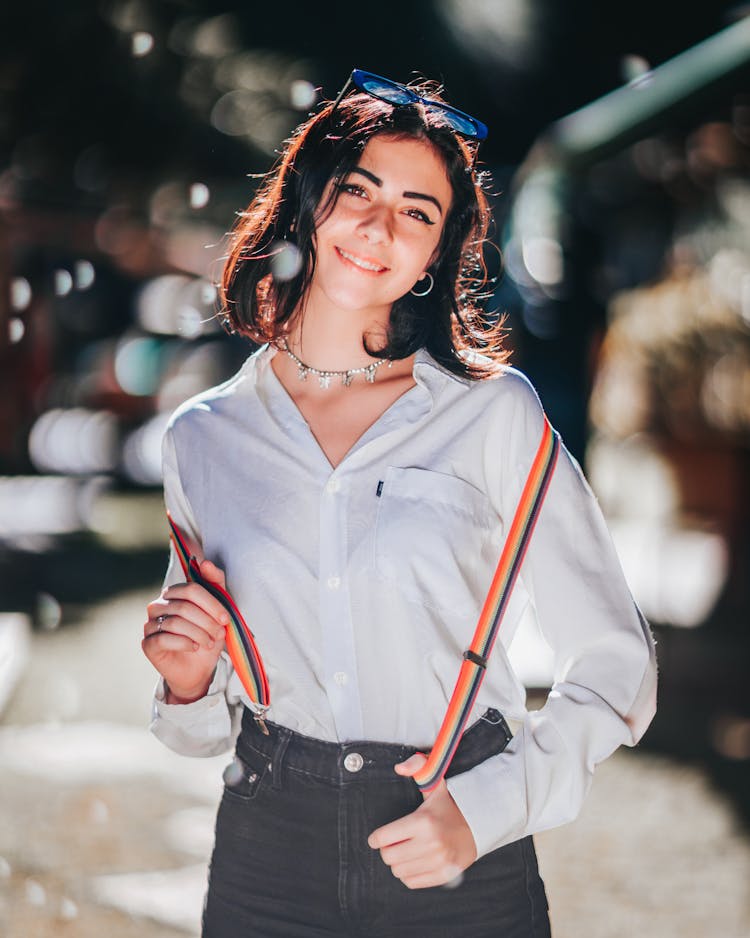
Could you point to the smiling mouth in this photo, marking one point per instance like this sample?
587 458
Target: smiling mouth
361 263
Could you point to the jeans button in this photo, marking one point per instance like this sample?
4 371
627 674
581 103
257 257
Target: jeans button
353 762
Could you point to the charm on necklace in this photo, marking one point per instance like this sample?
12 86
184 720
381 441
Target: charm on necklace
324 377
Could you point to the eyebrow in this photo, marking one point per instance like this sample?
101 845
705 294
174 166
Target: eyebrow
407 195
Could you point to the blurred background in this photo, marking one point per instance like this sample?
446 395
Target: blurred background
130 135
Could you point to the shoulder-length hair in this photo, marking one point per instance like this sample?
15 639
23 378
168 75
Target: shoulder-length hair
260 302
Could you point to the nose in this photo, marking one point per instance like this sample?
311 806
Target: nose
375 226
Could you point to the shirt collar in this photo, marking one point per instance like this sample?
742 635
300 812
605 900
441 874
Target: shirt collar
432 375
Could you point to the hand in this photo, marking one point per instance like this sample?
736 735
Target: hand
185 647
431 846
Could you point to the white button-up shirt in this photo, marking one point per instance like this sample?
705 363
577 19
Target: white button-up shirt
363 584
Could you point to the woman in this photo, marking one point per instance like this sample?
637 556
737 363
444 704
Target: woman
354 482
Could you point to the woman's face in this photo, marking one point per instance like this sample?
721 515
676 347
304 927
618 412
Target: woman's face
385 227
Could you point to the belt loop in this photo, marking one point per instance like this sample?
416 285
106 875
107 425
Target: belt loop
277 759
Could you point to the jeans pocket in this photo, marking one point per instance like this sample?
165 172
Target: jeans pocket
241 780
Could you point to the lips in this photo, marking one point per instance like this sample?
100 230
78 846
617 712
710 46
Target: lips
366 264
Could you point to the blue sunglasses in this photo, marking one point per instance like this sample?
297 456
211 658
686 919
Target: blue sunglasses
397 94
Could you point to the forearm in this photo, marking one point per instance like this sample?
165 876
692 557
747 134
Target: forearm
542 778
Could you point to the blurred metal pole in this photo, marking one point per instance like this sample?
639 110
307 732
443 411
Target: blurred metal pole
543 184
628 114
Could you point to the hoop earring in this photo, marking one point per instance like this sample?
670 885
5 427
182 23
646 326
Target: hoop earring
428 290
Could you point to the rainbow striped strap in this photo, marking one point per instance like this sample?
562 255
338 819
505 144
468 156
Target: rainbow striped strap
240 641
475 658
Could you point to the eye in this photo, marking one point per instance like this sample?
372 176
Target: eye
419 215
352 188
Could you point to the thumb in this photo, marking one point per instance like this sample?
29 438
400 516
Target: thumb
213 574
411 765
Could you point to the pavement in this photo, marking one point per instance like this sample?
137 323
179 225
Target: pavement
104 833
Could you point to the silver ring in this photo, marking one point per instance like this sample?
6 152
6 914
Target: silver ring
160 622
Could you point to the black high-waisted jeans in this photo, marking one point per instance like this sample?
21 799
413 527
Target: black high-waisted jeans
291 855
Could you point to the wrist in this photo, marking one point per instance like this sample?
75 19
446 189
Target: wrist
181 696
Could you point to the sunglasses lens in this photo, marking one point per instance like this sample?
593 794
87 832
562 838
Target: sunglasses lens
379 88
455 121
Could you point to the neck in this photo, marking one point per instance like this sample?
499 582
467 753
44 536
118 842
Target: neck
330 338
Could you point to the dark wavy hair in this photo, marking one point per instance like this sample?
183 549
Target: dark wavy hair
260 304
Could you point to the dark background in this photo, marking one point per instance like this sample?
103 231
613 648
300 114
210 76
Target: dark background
69 80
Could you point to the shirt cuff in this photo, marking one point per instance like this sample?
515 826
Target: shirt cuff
201 728
492 800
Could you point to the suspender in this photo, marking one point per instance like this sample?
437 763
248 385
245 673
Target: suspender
239 639
475 659
249 666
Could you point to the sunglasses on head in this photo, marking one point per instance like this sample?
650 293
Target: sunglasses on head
398 95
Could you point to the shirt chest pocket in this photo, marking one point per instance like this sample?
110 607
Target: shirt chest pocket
435 539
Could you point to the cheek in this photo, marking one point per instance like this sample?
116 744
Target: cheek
434 249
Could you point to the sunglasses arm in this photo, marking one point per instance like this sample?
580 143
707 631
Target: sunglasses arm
341 94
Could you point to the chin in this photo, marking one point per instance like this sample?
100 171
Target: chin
353 302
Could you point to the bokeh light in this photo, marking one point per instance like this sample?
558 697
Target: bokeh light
45 505
63 282
74 440
199 195
49 617
302 94
16 329
20 293
141 43
176 304
138 364
141 452
85 275
286 260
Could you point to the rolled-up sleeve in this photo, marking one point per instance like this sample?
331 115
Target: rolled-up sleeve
209 726
604 689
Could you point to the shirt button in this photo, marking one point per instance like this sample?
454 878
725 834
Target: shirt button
353 762
333 582
341 677
333 485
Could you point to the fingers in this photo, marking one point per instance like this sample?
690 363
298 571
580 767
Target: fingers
168 641
213 574
182 611
446 876
430 846
420 843
192 593
394 833
204 634
419 865
411 765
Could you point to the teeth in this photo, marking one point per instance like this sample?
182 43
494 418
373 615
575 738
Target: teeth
365 265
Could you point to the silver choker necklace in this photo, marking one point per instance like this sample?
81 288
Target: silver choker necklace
324 377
